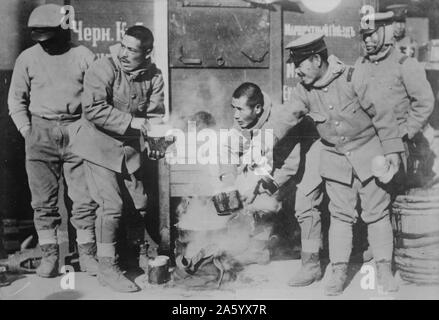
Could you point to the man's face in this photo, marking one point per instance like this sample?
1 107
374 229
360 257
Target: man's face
131 55
373 41
309 70
245 116
399 29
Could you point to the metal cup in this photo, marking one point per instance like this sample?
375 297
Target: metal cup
158 270
226 202
158 137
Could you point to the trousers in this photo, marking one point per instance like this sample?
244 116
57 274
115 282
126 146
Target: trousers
48 157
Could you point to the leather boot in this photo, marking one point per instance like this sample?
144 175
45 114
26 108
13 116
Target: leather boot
336 283
309 272
385 277
111 275
48 267
87 258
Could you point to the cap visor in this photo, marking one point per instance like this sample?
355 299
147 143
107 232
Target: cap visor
368 31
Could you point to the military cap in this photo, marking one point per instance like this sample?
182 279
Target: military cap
370 23
45 21
305 46
399 12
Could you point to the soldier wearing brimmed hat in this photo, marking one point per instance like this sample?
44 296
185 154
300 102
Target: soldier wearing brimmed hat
395 81
350 139
44 99
403 42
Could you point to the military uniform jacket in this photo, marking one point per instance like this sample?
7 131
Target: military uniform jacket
397 82
286 157
352 138
111 99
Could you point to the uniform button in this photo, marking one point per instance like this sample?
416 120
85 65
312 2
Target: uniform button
348 153
331 107
325 89
337 123
376 62
133 96
343 138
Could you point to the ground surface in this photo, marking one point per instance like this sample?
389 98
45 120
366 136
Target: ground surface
256 282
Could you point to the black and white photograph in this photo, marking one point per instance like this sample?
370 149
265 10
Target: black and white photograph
219 154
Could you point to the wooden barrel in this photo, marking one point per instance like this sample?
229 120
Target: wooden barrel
416 227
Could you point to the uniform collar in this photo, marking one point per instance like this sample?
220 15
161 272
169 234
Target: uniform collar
383 54
335 69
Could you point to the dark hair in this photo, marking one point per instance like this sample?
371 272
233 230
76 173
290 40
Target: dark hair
143 34
252 92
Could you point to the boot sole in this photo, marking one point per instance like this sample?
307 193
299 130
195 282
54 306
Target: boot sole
106 284
333 294
305 284
51 275
90 273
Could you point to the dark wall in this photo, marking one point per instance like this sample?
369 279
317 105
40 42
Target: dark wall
230 32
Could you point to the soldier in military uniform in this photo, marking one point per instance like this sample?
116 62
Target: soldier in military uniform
403 42
390 79
252 112
350 139
44 101
120 91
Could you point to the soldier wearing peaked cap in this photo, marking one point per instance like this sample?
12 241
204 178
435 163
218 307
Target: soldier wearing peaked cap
304 47
389 79
309 193
403 42
350 140
44 100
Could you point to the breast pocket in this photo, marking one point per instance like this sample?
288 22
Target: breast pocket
121 104
354 114
350 107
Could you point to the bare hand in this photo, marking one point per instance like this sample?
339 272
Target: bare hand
394 160
154 154
259 190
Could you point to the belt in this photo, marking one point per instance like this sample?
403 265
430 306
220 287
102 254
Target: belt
58 117
327 143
